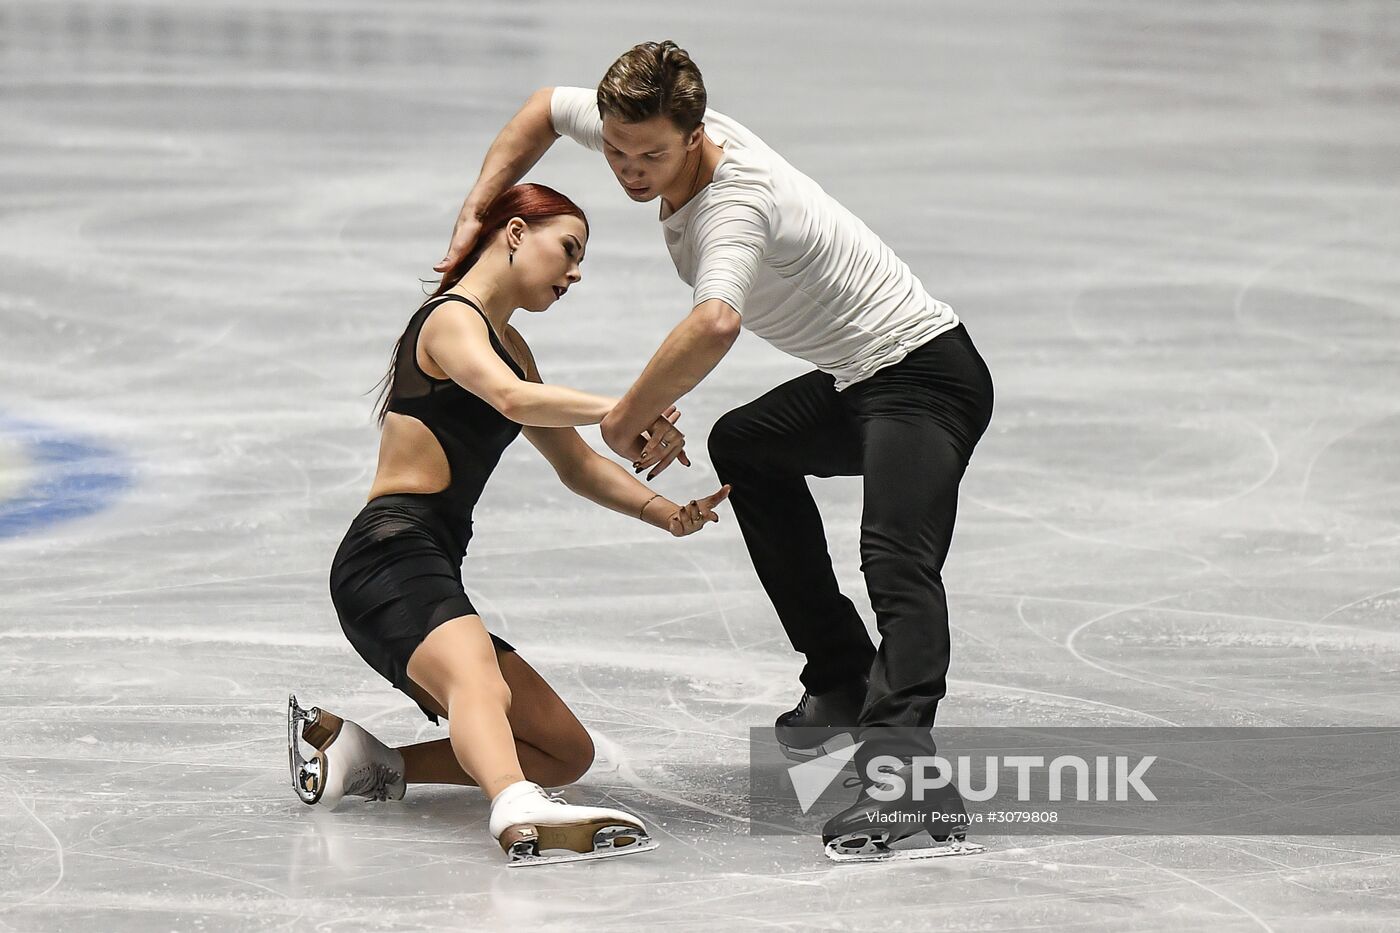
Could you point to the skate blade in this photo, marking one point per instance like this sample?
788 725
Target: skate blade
879 852
549 858
608 842
308 774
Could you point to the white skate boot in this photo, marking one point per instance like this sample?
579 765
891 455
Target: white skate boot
345 760
529 822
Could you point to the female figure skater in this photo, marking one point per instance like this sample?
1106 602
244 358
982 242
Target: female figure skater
461 386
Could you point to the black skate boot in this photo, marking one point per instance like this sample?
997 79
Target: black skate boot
867 830
809 729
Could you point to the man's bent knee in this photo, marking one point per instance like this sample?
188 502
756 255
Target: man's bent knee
731 438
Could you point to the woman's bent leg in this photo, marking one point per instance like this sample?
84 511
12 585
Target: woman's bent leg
551 744
557 744
456 665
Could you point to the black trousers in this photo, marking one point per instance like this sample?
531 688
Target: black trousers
909 430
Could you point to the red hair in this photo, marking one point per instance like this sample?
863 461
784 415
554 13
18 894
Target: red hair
529 202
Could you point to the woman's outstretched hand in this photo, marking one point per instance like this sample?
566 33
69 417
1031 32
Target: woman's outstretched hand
693 516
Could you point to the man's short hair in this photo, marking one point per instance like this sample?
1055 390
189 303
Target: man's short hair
654 79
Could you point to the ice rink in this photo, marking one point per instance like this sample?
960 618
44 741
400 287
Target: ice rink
1172 230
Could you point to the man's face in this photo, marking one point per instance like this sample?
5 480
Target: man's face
647 157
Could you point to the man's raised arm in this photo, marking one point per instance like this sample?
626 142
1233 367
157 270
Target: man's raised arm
520 144
690 351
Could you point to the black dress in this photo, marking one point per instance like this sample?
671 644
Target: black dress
398 572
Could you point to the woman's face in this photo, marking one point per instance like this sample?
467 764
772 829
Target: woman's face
547 260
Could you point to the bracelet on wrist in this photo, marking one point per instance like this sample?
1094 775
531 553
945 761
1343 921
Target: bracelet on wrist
641 513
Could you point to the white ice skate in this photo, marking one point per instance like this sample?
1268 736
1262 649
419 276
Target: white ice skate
346 761
535 827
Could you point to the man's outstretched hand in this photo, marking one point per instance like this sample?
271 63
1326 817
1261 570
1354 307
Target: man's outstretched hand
656 447
665 444
464 234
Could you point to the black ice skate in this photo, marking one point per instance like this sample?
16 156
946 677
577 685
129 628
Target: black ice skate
868 830
821 722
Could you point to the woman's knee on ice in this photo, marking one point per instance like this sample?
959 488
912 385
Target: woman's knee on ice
575 755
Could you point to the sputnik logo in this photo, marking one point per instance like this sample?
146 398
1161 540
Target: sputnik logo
811 778
1113 778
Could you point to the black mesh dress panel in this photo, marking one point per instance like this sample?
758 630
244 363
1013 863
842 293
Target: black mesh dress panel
472 433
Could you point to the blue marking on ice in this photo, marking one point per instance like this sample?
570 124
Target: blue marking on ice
76 477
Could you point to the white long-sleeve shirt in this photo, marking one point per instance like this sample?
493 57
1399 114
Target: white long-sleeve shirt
804 273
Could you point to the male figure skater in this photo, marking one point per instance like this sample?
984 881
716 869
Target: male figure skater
899 396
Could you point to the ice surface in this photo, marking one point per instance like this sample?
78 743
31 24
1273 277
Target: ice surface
1171 229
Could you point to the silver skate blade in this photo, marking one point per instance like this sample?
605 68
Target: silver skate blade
527 856
879 852
307 775
530 861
